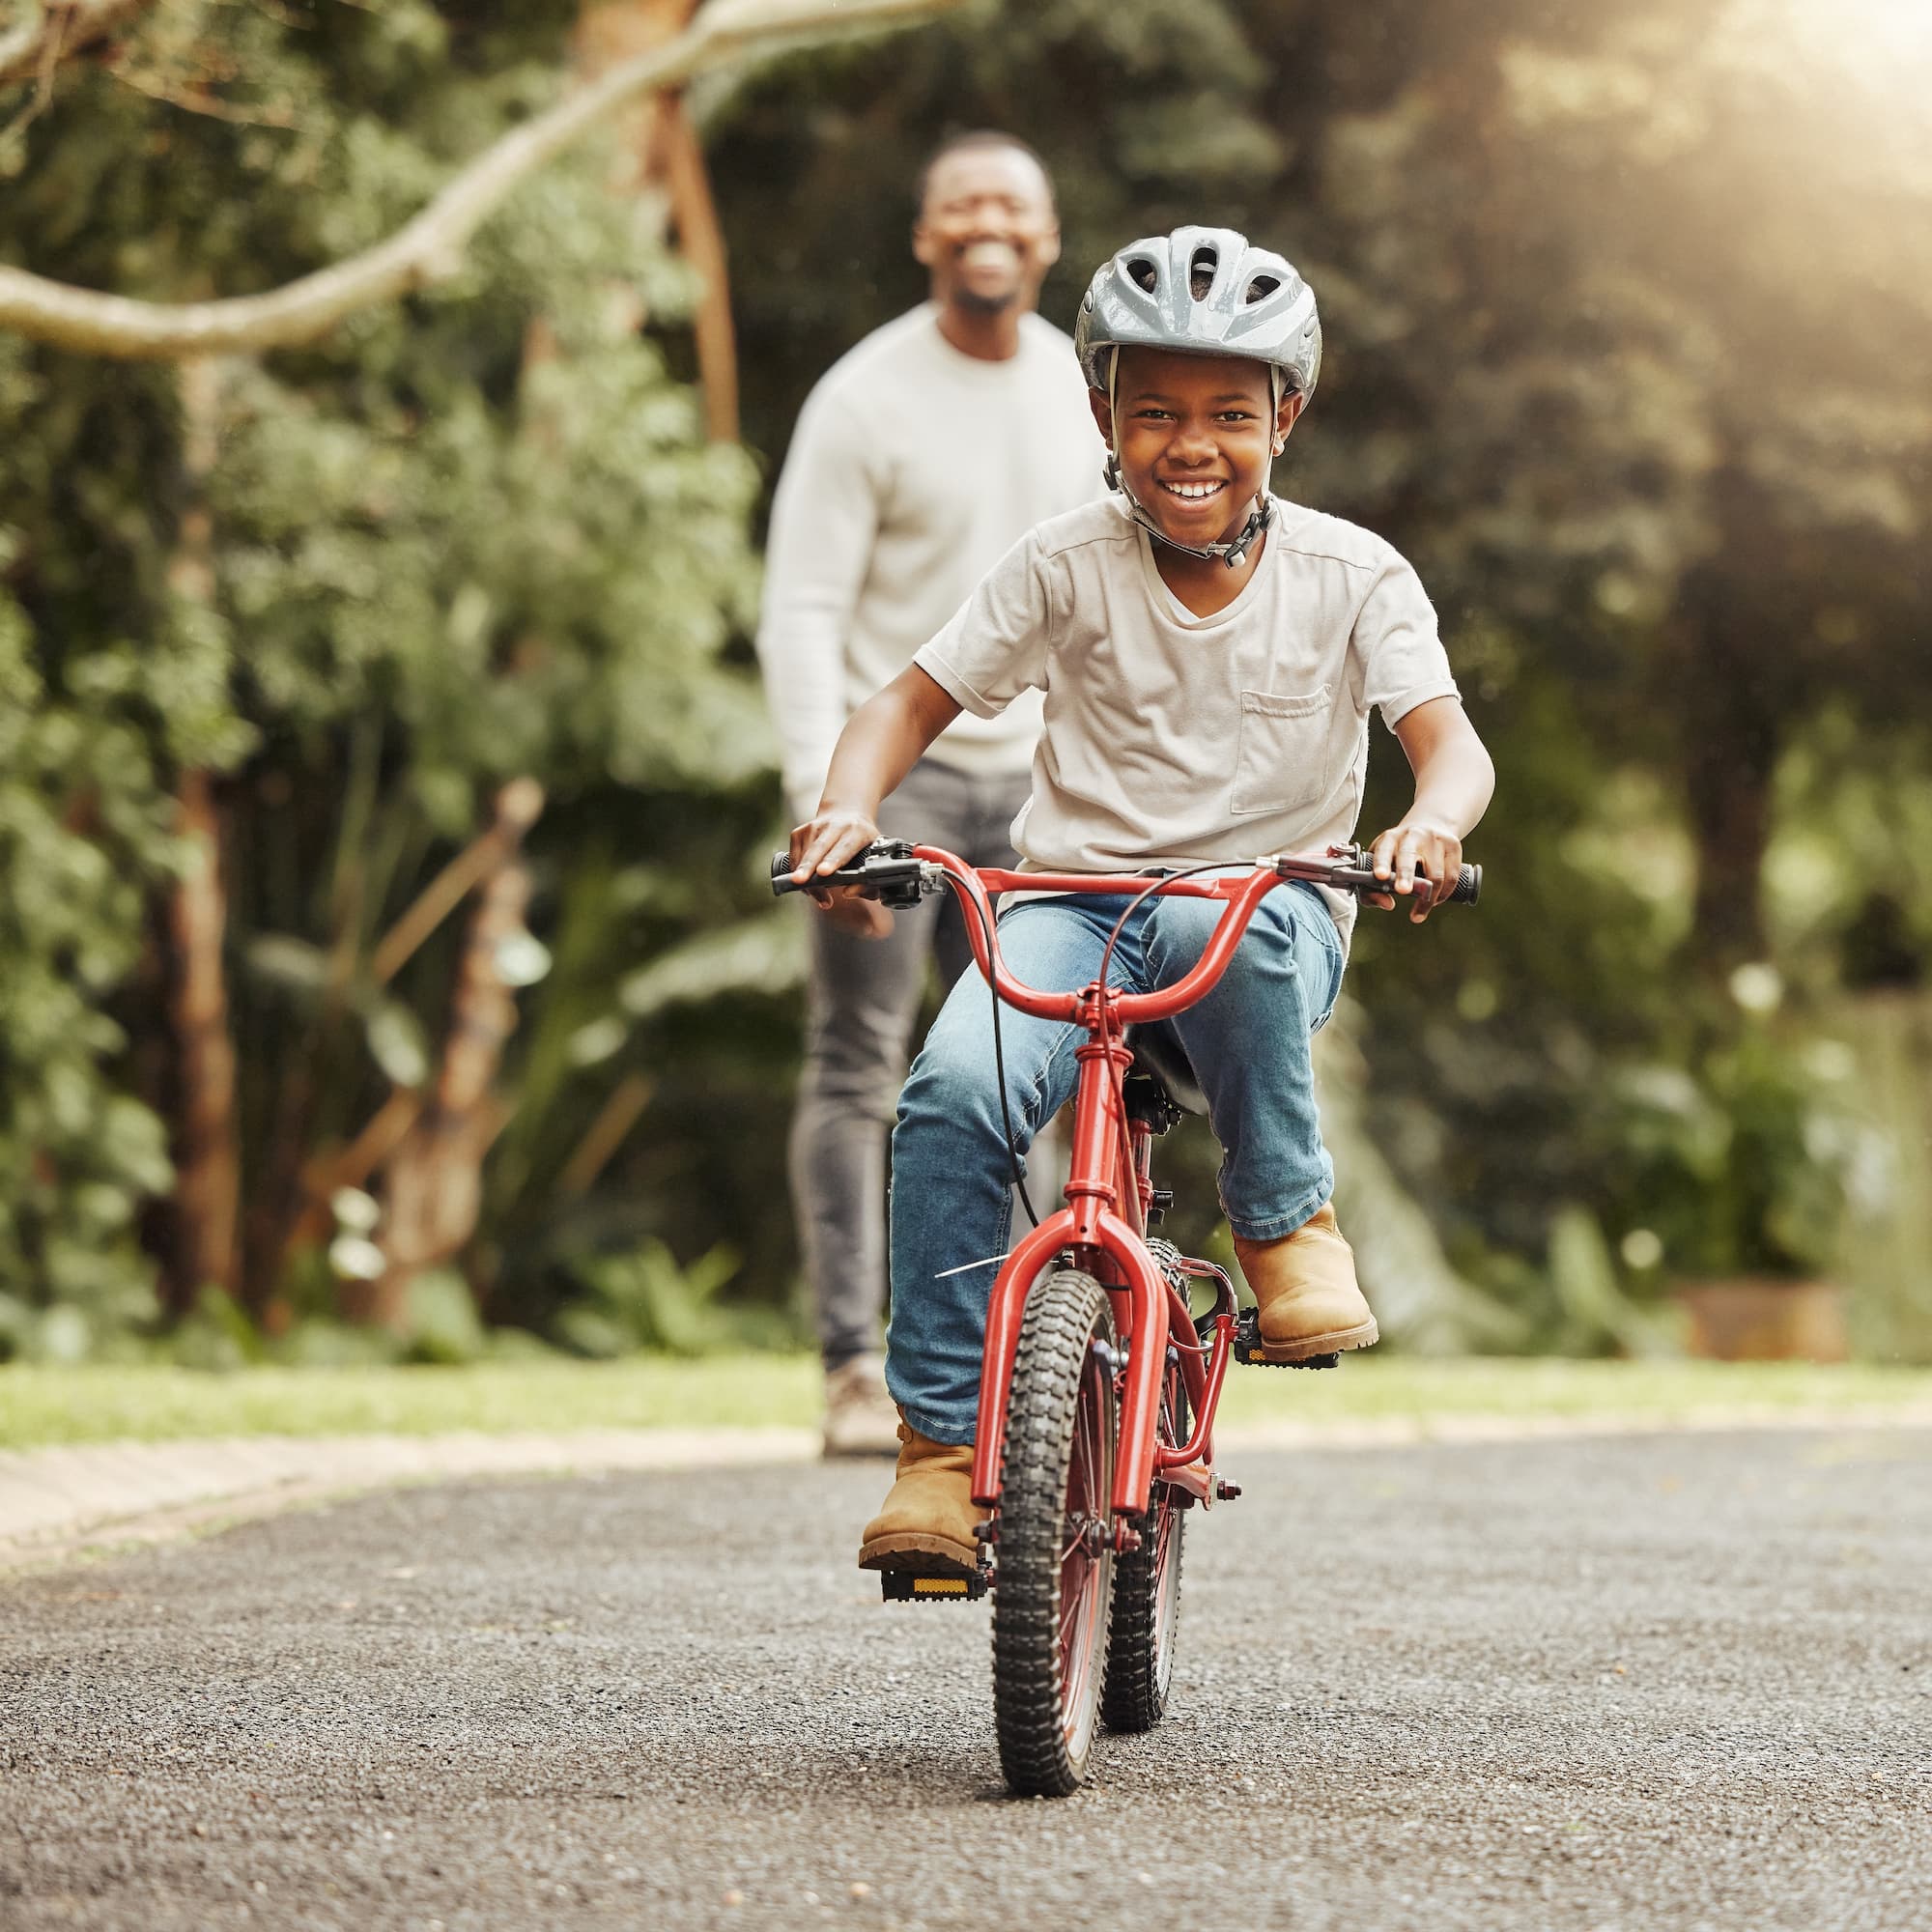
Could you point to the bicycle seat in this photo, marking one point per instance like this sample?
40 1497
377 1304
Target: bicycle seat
1160 1055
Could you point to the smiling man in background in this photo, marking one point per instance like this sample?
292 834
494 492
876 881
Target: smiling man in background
920 459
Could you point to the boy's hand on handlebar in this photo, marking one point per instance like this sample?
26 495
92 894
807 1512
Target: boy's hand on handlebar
823 844
1419 859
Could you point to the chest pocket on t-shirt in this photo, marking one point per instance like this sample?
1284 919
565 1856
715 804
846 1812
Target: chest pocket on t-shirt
1281 761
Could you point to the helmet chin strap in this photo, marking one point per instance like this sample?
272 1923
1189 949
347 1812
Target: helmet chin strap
1261 513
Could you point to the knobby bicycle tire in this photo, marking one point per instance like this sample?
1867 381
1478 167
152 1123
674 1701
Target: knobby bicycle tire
1046 1702
1147 1598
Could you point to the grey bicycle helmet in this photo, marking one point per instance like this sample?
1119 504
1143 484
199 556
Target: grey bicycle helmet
1250 303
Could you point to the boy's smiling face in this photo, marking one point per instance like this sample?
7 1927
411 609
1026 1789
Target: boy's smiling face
1195 436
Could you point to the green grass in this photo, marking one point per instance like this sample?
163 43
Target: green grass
89 1405
1392 1386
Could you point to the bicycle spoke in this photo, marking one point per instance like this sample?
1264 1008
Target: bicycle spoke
1070 1611
1055 1584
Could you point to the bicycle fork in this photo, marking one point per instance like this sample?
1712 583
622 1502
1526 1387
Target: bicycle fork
1102 1242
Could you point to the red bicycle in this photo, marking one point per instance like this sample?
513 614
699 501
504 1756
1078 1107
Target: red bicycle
1096 1429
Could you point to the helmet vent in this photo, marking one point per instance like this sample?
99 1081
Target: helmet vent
1203 292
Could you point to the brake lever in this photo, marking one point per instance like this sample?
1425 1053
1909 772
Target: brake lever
888 872
1351 870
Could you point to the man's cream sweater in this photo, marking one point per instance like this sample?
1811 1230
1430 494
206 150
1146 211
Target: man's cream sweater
912 471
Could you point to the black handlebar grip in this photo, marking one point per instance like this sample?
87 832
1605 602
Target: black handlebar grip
1468 887
783 881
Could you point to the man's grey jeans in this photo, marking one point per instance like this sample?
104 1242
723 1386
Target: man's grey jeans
862 1001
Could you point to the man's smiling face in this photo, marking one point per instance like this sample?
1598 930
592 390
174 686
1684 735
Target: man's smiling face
986 230
1195 436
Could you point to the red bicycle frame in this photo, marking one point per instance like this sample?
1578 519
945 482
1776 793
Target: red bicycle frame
1109 1193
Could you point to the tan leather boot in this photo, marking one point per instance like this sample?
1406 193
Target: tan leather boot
1306 1293
928 1521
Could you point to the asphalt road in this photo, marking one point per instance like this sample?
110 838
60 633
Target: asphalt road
1648 1684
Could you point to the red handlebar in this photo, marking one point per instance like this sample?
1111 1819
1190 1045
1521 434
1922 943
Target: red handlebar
1242 895
901 874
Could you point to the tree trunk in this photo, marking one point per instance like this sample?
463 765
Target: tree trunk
667 147
208 1186
433 1190
680 160
1734 694
1729 787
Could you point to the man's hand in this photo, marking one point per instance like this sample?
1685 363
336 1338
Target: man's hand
833 837
1416 850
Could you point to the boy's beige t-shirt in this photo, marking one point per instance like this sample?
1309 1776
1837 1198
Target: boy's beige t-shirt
1171 739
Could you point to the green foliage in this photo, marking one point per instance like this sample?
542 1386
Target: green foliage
1595 1315
216 1335
1741 1171
83 828
1663 411
645 1300
467 537
1630 342
1628 313
439 1321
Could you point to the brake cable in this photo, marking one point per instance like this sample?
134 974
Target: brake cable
969 901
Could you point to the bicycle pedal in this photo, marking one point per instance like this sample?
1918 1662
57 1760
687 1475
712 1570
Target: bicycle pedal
907 1586
1247 1347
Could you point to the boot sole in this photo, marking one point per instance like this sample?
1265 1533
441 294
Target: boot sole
921 1555
1364 1335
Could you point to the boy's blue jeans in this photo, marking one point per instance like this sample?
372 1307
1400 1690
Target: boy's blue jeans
1248 1042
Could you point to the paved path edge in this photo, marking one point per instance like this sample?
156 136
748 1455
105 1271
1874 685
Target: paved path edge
64 1502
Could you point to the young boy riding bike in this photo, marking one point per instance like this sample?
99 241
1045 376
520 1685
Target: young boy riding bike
1208 655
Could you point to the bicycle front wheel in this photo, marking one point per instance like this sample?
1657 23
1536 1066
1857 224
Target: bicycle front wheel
1056 1561
1147 1596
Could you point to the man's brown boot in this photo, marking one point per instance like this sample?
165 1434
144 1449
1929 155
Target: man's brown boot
860 1418
1305 1287
928 1521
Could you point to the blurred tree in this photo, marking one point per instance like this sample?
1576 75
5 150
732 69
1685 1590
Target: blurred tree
1631 313
1627 320
1144 113
1633 321
410 564
191 72
1627 316
34 47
